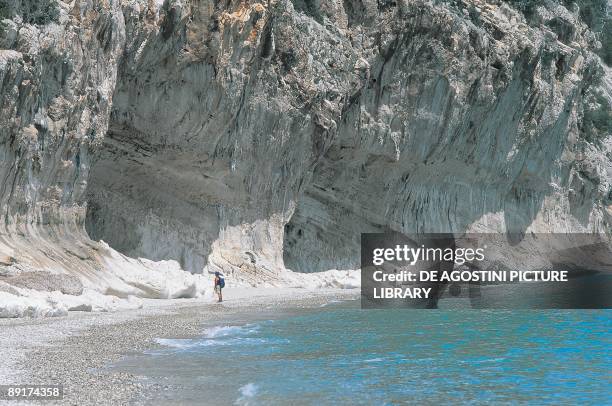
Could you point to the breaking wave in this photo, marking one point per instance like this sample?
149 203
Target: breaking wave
220 336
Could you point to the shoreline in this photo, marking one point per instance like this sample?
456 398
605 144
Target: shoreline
75 350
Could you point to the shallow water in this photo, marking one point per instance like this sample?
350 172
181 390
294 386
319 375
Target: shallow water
340 354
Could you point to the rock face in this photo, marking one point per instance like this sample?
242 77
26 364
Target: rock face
253 137
57 82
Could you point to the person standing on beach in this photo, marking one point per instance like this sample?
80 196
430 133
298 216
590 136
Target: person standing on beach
219 284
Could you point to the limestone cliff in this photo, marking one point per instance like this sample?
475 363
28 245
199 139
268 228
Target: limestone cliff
256 136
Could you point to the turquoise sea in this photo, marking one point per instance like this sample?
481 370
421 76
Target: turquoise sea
342 355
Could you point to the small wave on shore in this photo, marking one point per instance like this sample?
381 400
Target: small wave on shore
187 344
247 393
219 336
224 331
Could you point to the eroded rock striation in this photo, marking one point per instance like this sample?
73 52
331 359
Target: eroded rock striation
251 137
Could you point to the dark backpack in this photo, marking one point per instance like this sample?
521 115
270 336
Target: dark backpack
221 282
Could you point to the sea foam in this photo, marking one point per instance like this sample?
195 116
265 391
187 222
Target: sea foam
247 393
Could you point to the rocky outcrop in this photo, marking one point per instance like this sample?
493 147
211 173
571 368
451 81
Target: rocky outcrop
252 137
